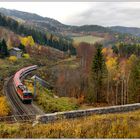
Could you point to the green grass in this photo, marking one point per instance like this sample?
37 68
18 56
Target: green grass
88 39
47 102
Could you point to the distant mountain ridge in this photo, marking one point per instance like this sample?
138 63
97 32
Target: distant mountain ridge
128 30
29 16
54 26
44 23
49 23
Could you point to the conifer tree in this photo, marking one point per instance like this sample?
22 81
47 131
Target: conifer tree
3 49
98 74
134 83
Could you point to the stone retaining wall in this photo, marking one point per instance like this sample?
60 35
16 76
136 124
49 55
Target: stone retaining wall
80 113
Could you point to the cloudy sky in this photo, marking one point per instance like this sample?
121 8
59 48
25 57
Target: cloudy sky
80 13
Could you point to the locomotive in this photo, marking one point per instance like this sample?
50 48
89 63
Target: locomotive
22 91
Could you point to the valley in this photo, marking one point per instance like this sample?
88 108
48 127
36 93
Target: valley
87 67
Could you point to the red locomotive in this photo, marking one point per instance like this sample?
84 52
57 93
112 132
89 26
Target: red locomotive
22 91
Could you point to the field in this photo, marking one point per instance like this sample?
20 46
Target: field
124 125
88 39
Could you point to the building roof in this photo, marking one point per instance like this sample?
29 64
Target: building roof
16 49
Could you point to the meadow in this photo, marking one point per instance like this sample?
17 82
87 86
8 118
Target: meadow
124 125
88 39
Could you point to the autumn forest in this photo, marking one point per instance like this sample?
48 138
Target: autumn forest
84 67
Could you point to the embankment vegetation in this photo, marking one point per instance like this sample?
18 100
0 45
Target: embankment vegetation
125 125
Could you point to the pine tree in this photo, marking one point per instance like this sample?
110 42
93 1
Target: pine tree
98 74
3 49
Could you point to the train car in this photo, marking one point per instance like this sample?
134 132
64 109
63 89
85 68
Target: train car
22 91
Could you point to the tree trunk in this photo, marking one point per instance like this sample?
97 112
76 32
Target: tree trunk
122 93
117 93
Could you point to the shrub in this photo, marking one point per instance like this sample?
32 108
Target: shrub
26 56
125 125
49 103
4 108
13 58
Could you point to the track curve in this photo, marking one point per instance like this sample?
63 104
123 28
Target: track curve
19 110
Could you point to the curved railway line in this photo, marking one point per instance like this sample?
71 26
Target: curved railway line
31 113
20 111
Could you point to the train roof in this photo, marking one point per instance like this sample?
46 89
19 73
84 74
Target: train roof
17 76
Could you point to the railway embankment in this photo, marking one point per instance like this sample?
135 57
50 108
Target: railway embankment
82 113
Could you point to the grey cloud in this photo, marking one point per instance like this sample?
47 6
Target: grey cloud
108 14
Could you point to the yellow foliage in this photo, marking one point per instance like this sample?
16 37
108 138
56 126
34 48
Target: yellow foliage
104 50
13 58
29 86
131 59
75 44
27 41
4 108
124 125
111 64
27 56
108 53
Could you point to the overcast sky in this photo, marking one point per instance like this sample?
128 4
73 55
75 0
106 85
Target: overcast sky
80 13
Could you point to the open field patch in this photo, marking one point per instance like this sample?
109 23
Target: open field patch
88 39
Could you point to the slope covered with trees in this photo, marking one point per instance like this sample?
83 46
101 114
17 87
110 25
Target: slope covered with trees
39 37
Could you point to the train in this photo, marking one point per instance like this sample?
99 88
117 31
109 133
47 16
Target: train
22 91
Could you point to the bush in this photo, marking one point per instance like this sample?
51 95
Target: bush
13 58
4 108
26 56
50 104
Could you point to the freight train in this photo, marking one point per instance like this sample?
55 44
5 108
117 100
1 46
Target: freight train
22 91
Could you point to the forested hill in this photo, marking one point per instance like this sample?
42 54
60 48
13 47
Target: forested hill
54 26
49 24
47 31
129 30
29 18
40 37
90 28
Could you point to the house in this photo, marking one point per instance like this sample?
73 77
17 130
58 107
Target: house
16 52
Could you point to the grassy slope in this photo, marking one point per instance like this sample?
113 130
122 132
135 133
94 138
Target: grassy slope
125 125
88 39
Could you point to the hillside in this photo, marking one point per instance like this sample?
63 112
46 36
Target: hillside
128 30
40 37
45 25
49 24
30 18
78 68
53 25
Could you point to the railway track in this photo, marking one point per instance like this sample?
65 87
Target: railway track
21 112
30 112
